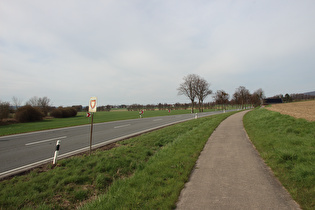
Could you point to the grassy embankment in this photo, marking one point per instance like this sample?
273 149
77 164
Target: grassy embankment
81 119
146 172
288 146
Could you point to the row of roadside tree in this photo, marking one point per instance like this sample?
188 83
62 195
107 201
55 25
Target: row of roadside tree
37 108
194 87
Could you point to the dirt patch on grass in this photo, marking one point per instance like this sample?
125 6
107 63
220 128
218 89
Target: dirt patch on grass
305 109
8 121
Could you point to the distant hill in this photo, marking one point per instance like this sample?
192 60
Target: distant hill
310 93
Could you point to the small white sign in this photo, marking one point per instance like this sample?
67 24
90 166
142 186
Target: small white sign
93 104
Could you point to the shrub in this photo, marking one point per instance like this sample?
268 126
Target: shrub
64 112
69 112
28 114
56 113
4 110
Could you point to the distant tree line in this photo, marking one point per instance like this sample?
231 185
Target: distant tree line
35 109
242 98
293 97
160 106
106 108
194 87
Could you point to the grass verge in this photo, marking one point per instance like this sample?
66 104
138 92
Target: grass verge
147 171
81 119
288 146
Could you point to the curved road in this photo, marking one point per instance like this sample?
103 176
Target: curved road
23 151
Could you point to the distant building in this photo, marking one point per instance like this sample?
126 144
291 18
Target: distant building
273 101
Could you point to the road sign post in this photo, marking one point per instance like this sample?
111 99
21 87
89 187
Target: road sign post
92 109
91 133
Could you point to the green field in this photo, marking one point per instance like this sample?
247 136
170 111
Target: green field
150 170
81 119
288 146
145 172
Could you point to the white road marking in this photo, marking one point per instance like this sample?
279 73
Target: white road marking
121 126
157 119
38 142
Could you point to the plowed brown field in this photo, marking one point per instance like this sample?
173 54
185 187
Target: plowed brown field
305 109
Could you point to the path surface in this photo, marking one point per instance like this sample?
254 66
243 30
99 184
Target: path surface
230 174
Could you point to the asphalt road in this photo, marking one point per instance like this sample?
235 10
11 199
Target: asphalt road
24 151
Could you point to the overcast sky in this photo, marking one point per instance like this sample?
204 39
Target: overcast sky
138 51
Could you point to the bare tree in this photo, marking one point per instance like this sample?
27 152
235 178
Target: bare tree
221 97
33 101
135 107
43 103
187 88
16 102
241 96
257 97
202 91
287 98
4 110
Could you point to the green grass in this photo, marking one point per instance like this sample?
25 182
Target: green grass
147 172
81 119
288 146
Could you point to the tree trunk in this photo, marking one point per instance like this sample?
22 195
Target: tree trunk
192 106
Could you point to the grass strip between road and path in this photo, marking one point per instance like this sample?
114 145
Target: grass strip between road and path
81 119
287 145
147 171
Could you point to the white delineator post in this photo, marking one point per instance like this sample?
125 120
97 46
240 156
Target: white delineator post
56 152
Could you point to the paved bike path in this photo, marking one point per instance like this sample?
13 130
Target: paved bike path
230 174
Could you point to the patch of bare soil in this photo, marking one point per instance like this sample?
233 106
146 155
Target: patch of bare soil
8 121
305 109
